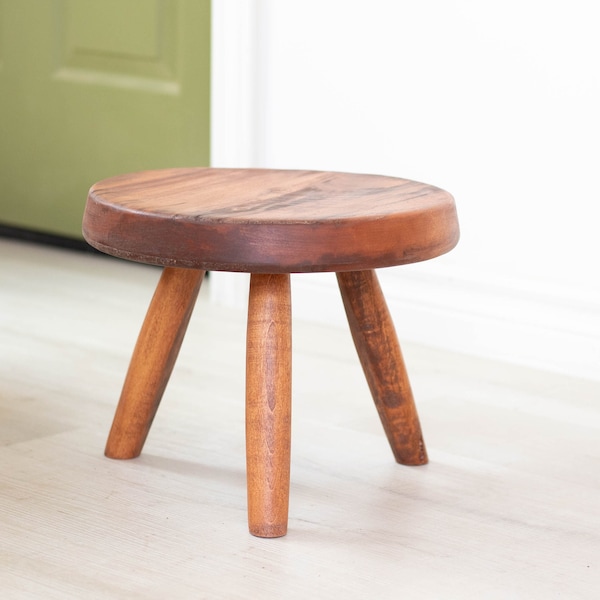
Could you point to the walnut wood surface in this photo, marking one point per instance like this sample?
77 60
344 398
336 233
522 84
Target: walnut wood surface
269 221
153 359
268 404
381 358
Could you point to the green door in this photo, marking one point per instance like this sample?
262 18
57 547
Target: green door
91 89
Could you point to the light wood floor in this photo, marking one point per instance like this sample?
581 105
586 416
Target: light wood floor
509 506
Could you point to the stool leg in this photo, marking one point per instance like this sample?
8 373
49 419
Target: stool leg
268 404
153 359
381 358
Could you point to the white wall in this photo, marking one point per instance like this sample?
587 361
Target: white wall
495 102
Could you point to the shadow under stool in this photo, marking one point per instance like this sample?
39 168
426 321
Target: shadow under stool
269 223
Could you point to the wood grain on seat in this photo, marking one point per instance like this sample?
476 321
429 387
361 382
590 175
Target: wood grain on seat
269 221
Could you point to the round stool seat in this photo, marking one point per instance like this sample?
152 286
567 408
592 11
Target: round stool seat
269 221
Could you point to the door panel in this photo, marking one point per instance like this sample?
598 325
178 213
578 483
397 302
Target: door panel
93 48
91 89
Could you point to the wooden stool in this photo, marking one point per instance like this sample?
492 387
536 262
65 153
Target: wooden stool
269 223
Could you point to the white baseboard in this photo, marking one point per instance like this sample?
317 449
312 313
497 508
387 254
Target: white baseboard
516 322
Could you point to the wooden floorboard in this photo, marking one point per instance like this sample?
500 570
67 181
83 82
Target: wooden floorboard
507 508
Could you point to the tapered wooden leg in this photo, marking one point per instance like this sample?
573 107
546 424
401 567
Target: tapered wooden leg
381 358
268 404
153 359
